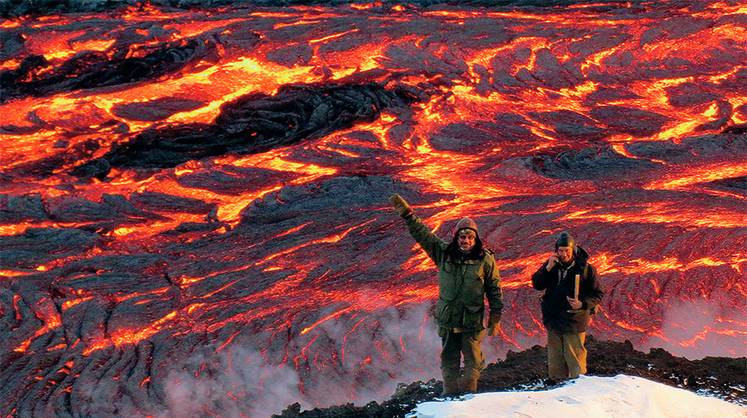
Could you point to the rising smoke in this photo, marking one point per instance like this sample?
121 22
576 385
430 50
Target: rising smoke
393 346
231 383
702 327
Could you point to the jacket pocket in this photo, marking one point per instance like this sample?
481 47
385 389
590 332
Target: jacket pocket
472 316
474 272
443 312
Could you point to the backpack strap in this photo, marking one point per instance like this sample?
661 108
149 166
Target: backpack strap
585 275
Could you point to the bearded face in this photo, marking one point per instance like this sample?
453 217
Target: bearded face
466 239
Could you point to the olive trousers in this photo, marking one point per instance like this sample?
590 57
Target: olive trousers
454 345
566 355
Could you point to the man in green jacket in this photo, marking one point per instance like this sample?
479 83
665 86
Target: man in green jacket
466 275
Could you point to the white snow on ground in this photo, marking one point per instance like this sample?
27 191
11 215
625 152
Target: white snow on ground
588 396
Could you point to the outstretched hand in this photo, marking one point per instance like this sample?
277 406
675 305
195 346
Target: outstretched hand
575 303
400 205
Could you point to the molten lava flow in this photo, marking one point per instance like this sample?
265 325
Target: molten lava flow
195 201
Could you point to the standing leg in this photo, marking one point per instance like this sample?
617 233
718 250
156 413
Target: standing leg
451 347
556 367
474 361
575 353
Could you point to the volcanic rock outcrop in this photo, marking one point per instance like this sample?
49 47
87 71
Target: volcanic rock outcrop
251 124
724 378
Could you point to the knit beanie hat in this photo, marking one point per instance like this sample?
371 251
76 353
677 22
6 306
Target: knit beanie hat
565 240
466 223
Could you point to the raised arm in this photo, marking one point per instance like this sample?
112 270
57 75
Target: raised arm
433 245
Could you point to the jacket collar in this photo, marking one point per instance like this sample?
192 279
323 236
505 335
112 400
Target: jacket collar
580 256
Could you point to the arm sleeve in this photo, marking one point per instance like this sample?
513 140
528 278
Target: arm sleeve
592 290
539 278
433 245
493 290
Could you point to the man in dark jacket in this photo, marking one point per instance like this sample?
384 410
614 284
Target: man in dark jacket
466 275
572 292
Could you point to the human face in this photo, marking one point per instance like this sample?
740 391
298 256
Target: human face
466 240
565 254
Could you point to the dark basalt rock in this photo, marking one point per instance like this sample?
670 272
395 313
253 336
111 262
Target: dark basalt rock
14 209
89 69
718 376
571 125
111 208
736 185
251 124
163 202
11 8
40 245
156 109
230 179
703 148
625 120
736 129
690 94
347 194
590 163
464 138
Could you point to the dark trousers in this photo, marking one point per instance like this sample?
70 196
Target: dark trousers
566 354
456 344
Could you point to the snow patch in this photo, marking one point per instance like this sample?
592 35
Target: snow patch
587 396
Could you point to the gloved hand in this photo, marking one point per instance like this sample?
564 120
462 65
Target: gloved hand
400 205
494 325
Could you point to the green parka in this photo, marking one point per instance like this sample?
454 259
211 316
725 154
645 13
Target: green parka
463 284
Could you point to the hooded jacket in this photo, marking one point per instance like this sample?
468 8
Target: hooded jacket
559 283
463 280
